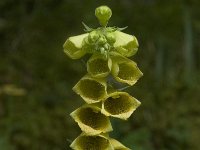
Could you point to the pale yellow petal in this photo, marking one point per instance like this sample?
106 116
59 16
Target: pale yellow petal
125 44
73 46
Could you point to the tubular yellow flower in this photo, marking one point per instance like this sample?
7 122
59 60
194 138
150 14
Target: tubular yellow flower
97 142
91 121
126 45
92 90
98 66
125 70
73 46
120 105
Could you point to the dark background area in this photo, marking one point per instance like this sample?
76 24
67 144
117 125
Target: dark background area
36 77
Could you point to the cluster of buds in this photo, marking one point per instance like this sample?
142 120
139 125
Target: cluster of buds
109 49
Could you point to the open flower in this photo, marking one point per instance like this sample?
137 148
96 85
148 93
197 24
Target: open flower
120 105
91 120
97 142
92 90
98 66
125 70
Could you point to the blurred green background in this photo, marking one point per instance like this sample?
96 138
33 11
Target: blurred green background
36 77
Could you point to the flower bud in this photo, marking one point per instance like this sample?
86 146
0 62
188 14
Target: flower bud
98 66
84 142
106 46
88 46
90 89
103 13
111 38
102 50
120 105
93 36
102 40
73 46
91 120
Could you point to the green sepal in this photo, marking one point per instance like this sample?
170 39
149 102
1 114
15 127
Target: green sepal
92 90
117 145
126 44
98 66
120 105
125 70
97 142
91 120
73 46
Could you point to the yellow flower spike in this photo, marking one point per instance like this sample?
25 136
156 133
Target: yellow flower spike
91 120
117 145
97 142
120 105
73 46
98 66
126 44
125 70
109 48
92 90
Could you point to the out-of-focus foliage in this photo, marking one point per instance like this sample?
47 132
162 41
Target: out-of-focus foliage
36 77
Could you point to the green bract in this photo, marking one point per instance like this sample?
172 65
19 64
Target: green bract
109 48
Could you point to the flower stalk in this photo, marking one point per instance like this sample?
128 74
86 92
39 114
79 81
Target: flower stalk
109 48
